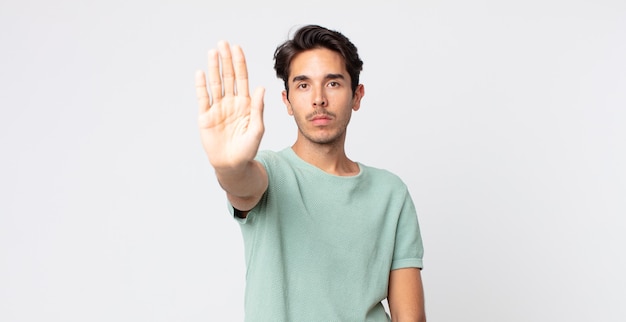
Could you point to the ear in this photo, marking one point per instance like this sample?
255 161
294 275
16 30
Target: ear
359 92
287 103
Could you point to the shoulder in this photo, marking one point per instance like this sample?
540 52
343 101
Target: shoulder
382 176
271 158
266 155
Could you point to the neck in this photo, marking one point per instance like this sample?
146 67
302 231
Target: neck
330 158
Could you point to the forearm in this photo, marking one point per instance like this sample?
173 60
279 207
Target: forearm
244 187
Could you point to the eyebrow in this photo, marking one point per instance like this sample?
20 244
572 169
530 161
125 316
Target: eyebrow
327 77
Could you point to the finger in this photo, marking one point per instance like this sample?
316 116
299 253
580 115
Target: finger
228 74
215 81
201 92
241 71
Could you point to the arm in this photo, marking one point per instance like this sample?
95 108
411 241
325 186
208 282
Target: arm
406 295
231 126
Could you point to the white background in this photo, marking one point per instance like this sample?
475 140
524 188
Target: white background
506 119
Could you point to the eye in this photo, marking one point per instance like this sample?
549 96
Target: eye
333 84
303 85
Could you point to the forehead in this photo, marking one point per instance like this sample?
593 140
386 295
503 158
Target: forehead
316 62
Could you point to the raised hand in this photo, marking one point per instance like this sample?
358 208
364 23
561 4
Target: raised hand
230 121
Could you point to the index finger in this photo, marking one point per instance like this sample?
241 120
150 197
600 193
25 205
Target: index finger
241 71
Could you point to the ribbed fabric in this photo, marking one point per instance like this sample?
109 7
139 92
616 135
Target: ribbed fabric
319 247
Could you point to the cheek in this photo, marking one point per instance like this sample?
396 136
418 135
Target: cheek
298 102
342 98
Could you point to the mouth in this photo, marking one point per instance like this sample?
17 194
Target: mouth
319 115
320 119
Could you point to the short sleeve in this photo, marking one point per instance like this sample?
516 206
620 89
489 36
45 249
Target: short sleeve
408 248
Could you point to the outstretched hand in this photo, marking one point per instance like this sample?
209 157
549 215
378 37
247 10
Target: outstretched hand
230 121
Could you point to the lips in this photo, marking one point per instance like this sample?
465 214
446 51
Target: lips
322 114
321 119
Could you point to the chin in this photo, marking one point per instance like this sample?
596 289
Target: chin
323 138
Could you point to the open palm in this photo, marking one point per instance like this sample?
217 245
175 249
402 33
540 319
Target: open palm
230 121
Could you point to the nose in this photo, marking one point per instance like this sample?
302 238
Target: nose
319 99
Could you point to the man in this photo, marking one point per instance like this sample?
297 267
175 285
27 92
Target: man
326 238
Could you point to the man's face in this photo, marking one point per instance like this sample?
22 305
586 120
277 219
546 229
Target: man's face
320 96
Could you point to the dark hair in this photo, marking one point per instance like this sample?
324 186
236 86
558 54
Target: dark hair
312 37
